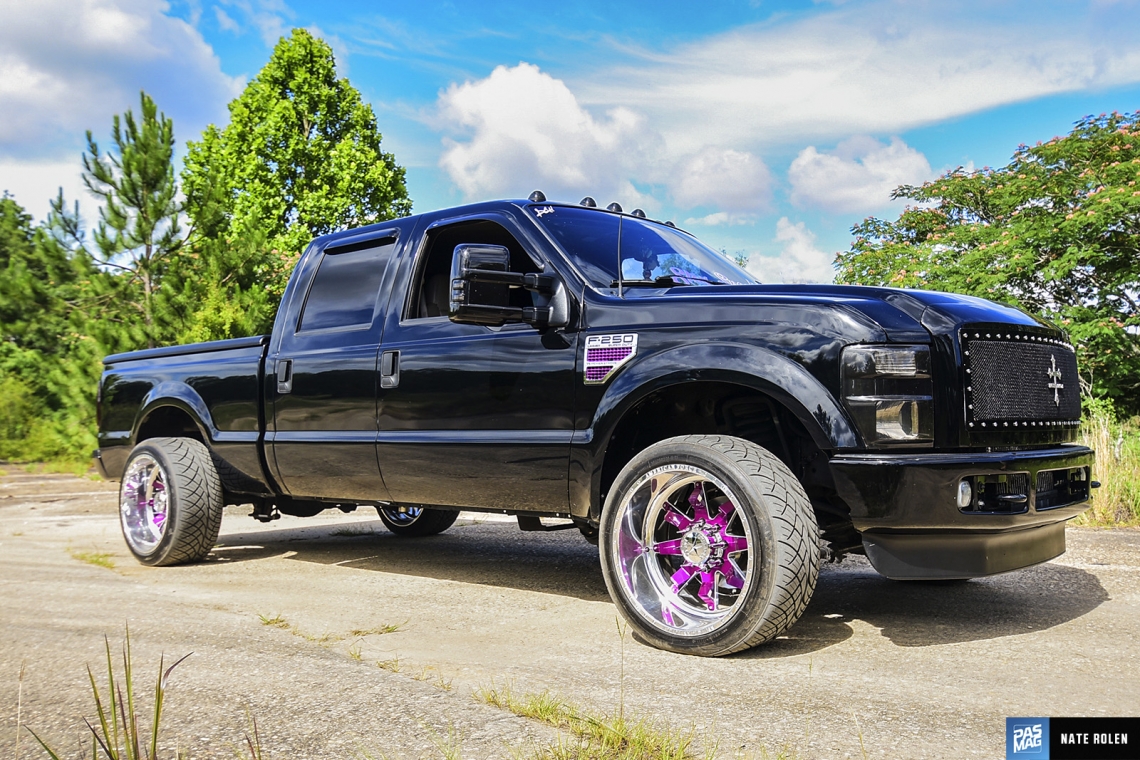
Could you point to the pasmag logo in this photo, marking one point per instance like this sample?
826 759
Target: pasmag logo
1027 738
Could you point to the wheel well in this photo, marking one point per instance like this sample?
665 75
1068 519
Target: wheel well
168 421
695 408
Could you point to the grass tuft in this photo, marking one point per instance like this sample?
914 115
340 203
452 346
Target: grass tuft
379 630
100 559
353 530
1117 445
277 621
117 733
392 665
592 737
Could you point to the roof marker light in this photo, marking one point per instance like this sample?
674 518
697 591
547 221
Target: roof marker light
638 213
588 202
615 207
670 224
537 197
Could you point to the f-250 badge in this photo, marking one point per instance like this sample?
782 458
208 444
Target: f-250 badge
605 354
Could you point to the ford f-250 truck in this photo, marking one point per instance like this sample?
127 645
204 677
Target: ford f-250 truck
717 437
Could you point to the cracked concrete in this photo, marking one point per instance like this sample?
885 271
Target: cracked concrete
895 670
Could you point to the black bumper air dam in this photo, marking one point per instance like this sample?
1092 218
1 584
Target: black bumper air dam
906 508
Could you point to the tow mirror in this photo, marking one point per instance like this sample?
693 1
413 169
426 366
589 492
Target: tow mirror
481 283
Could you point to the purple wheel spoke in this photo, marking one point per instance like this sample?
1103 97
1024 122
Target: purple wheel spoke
734 543
668 547
676 518
727 509
683 576
699 502
705 594
732 576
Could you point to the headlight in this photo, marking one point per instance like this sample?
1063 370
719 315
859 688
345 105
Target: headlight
889 393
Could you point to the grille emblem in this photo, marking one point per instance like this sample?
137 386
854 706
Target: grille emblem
1055 375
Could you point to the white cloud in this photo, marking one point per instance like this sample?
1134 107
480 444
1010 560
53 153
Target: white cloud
67 66
881 67
527 130
731 180
225 21
720 219
799 259
269 17
858 176
34 184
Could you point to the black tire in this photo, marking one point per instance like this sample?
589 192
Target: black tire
416 522
192 513
732 568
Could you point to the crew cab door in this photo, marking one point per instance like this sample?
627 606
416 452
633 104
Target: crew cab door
323 435
472 416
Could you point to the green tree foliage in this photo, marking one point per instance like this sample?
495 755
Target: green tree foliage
1056 232
301 157
138 222
48 362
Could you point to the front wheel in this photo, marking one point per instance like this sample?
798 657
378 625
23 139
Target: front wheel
170 501
415 522
709 545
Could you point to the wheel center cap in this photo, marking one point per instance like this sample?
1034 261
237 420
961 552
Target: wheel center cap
695 547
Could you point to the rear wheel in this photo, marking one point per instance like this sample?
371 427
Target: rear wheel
170 501
416 521
709 545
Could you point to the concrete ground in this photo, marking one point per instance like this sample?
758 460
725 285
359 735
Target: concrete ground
874 669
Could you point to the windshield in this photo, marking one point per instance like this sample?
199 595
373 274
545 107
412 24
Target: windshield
652 254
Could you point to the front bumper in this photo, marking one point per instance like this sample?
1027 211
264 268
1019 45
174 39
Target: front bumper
905 506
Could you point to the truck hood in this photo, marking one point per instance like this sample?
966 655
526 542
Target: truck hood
905 316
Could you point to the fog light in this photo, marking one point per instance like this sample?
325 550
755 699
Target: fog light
965 494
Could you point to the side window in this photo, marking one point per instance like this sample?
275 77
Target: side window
345 288
431 287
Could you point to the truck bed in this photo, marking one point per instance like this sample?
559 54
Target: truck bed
217 383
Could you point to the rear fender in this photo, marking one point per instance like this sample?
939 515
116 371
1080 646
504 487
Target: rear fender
179 396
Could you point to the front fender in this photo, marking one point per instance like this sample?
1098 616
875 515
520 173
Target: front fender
781 379
179 396
762 369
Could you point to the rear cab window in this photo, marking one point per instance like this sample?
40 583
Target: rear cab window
346 286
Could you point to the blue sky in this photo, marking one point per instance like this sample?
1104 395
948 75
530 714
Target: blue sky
764 127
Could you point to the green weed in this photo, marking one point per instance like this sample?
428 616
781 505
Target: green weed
379 630
352 530
1117 445
117 733
100 559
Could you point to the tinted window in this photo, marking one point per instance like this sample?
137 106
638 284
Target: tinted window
345 288
648 250
590 239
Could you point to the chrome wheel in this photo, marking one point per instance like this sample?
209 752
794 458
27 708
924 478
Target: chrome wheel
684 550
401 516
144 504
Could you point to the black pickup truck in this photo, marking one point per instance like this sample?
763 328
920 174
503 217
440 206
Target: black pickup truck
717 437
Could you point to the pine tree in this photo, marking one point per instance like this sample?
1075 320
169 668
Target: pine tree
138 227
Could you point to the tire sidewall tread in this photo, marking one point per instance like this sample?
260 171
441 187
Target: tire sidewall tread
194 502
784 527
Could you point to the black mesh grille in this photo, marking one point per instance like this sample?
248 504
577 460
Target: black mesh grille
1025 378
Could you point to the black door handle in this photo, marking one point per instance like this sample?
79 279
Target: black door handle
284 375
389 369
